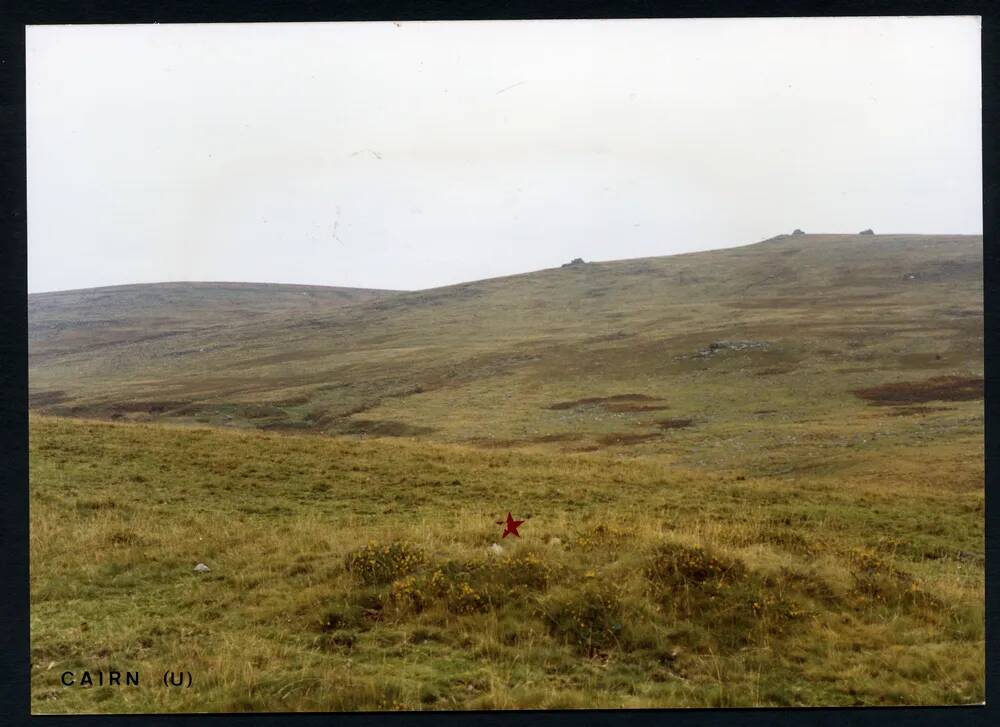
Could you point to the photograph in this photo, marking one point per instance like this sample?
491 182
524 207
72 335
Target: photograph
476 365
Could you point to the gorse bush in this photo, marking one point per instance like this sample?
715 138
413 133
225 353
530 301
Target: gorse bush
411 592
450 587
460 597
379 564
526 572
462 587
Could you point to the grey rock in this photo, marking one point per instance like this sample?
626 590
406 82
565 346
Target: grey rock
718 346
201 568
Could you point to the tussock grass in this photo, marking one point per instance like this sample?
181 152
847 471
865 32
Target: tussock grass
358 575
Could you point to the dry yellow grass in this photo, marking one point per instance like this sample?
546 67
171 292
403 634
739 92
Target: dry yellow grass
834 588
750 477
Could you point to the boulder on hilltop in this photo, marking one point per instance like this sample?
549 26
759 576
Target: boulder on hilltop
797 231
866 232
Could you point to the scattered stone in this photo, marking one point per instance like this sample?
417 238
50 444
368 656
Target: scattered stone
866 232
716 346
797 231
555 541
201 568
496 549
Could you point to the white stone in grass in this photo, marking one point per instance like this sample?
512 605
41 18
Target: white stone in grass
202 568
496 549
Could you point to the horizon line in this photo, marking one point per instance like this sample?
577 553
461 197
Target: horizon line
498 277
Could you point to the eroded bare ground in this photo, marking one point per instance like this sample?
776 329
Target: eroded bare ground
937 388
605 402
674 423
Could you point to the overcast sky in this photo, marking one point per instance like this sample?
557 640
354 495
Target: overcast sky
414 155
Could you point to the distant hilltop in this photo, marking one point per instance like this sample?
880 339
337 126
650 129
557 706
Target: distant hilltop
869 231
329 360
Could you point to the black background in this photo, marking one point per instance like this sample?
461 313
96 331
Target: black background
14 622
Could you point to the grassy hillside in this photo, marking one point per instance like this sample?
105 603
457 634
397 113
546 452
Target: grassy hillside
352 574
750 477
92 320
800 324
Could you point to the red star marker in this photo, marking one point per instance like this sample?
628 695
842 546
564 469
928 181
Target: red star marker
511 527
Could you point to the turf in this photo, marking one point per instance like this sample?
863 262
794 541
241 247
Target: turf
750 477
358 575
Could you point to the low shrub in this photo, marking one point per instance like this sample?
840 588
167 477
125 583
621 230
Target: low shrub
590 618
376 564
881 583
450 585
674 565
727 605
525 572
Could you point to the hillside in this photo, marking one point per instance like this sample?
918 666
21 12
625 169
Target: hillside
721 355
91 320
747 477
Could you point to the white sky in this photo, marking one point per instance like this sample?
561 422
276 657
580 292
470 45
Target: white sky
414 155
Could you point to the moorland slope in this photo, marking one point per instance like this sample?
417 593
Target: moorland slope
724 354
748 477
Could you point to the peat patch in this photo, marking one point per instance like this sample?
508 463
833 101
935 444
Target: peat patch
626 408
666 424
558 437
618 400
384 428
937 388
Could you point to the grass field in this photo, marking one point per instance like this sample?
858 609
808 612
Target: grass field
634 584
749 477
